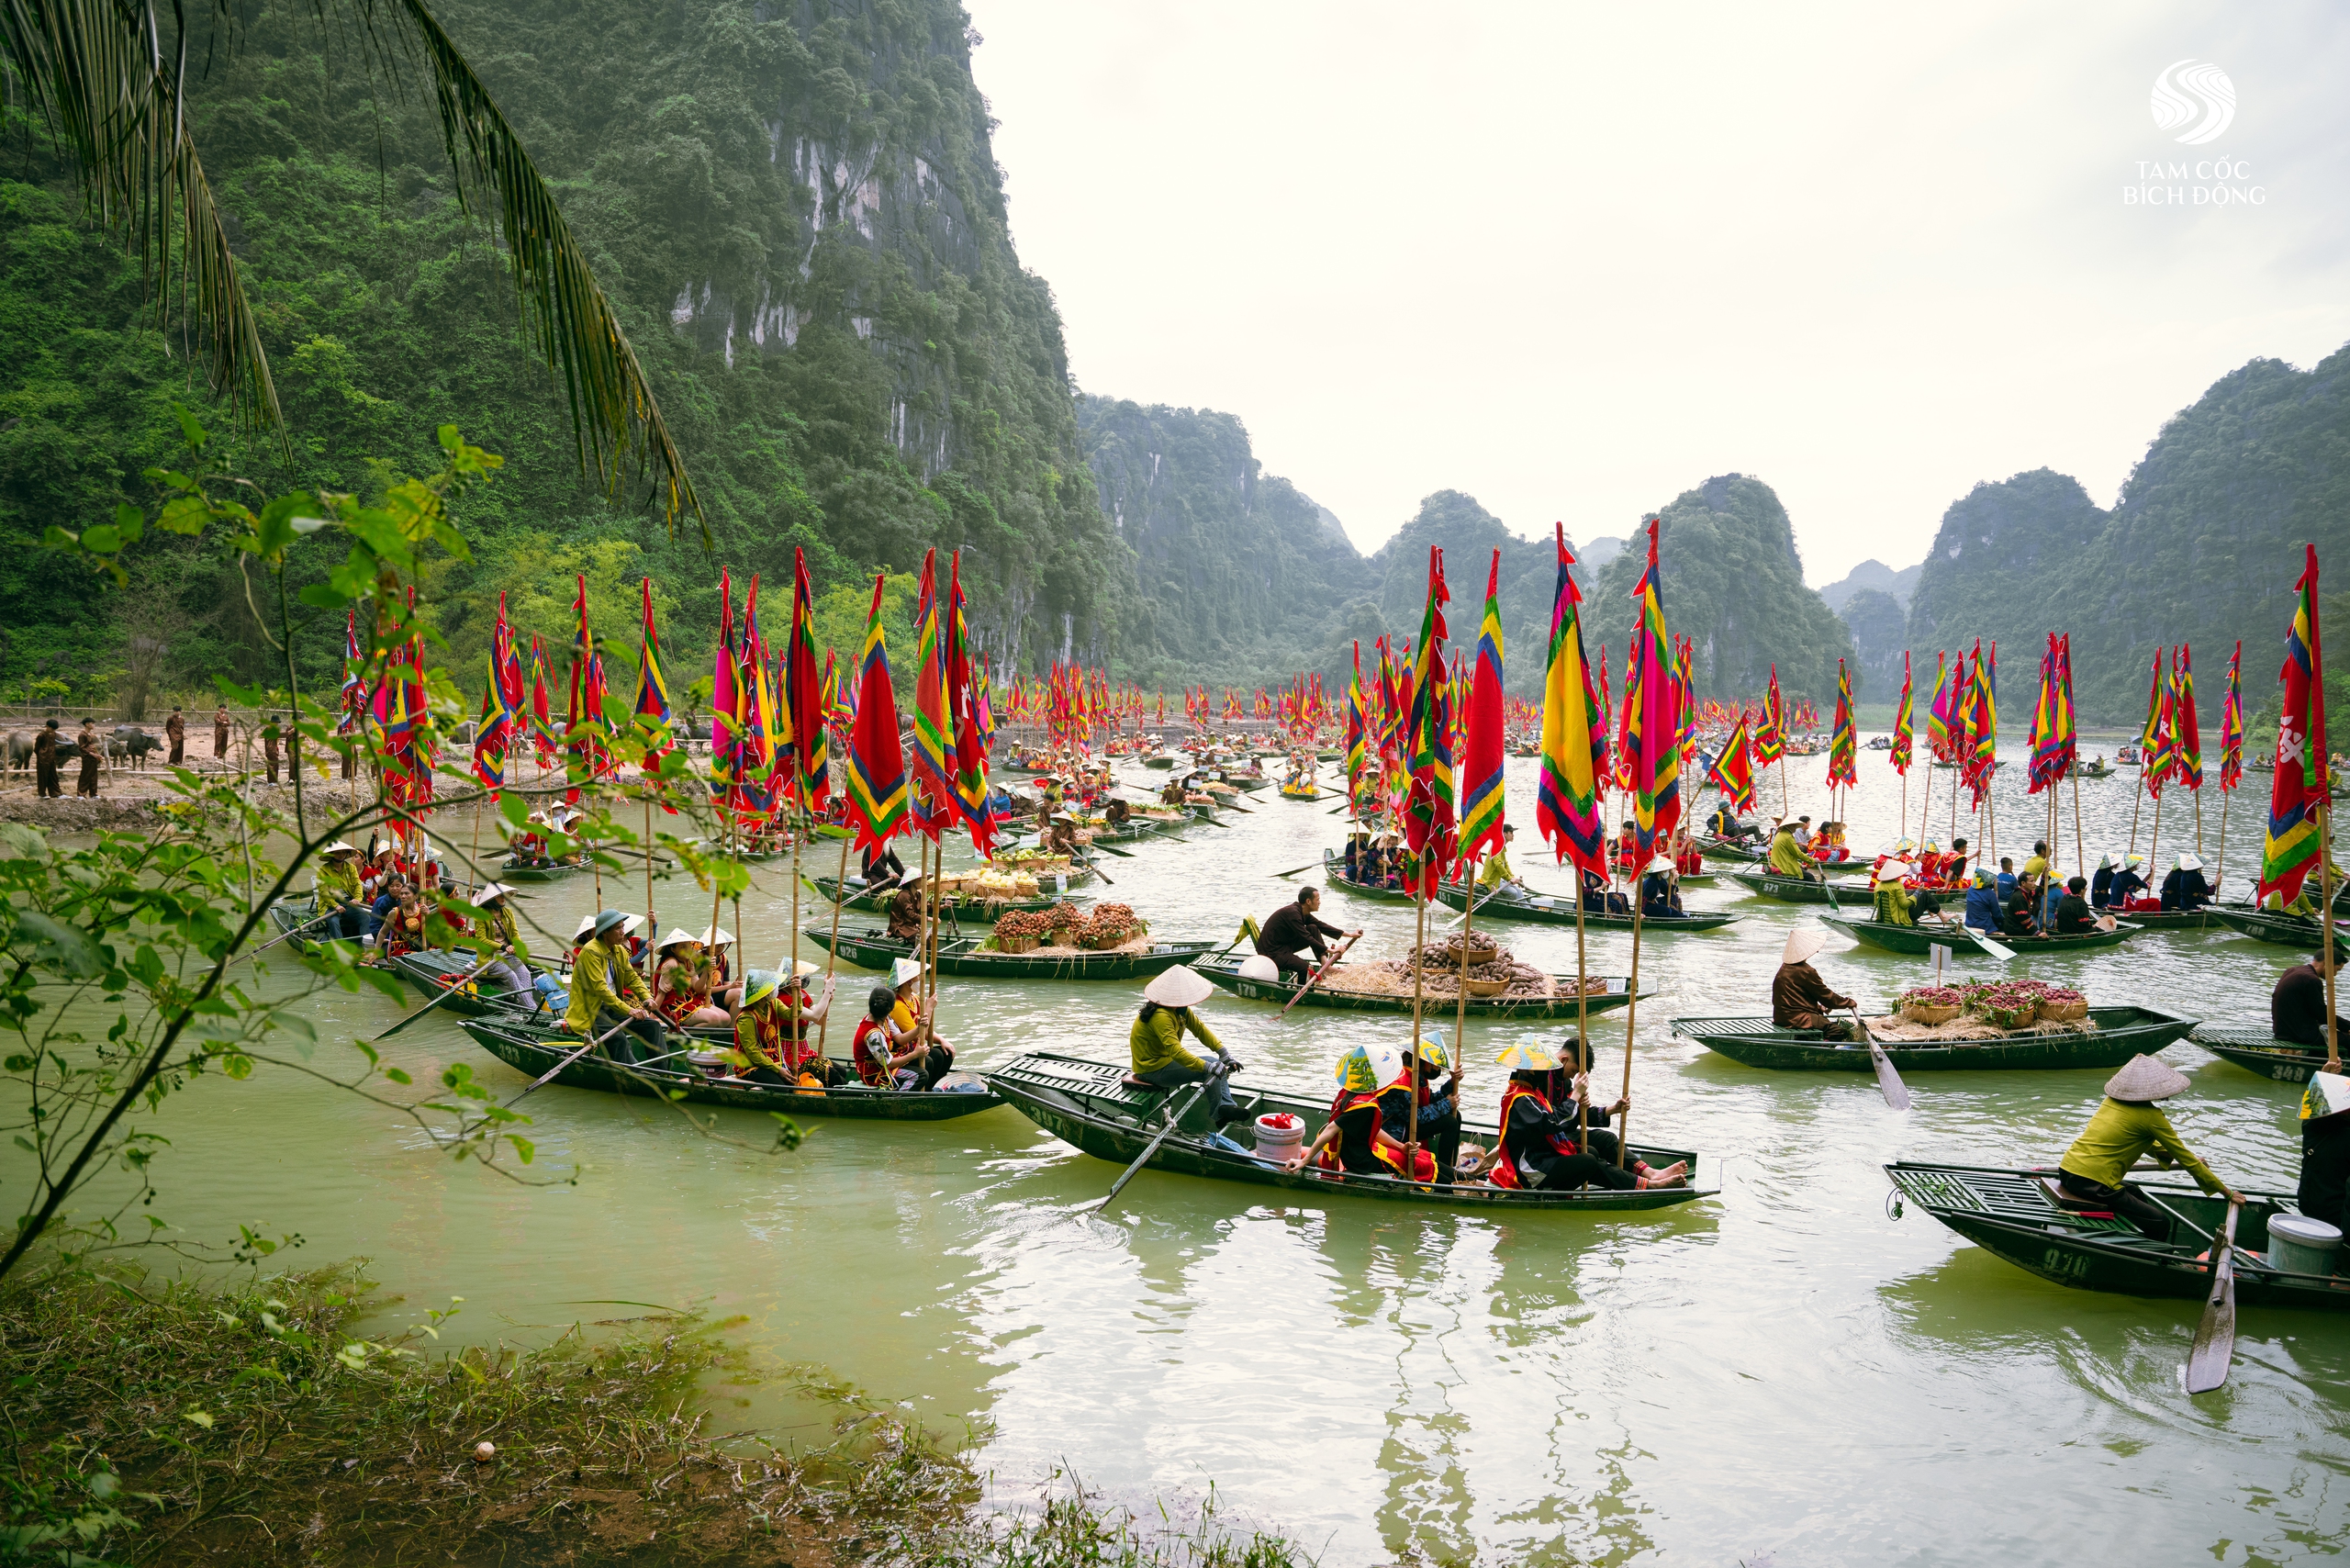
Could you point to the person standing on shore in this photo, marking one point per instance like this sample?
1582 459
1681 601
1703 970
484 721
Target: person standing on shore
92 750
45 762
176 728
220 733
269 746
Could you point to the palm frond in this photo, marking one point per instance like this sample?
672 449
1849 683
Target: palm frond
97 71
614 417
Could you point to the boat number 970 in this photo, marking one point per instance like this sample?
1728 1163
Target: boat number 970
2059 1263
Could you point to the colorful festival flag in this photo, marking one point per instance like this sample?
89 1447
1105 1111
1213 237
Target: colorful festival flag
1901 722
934 781
877 758
2185 728
1429 829
1940 744
1844 741
803 695
970 736
1733 771
1653 728
1481 751
2297 799
1771 735
2231 724
1574 733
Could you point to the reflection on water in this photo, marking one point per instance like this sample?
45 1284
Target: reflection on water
1780 1369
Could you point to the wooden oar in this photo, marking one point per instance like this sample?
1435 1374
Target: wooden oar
273 941
549 1074
1151 1148
1111 849
2215 1338
1311 980
1295 870
1888 1082
446 992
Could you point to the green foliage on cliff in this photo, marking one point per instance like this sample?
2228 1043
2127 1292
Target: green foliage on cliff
1243 580
1733 584
2203 546
803 230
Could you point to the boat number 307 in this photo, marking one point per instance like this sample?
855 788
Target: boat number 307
2059 1263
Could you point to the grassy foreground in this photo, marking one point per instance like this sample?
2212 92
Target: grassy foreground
150 1422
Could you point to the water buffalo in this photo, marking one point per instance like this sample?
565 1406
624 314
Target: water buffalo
19 749
130 741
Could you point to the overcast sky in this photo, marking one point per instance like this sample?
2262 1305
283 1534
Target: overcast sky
1575 259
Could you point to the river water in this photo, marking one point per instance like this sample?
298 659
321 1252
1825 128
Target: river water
1781 1372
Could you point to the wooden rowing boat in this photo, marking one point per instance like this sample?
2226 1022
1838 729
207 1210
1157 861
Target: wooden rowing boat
1921 939
1723 849
967 955
2122 1033
538 870
435 970
1787 889
1300 793
1159 762
2257 1050
1562 911
2167 919
979 910
1224 972
532 1049
2014 1215
1089 1105
2276 925
1338 879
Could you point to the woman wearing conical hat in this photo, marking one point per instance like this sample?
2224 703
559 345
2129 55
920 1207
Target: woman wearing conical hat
1800 998
2128 1123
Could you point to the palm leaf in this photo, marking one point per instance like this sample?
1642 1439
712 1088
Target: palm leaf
96 70
614 417
99 73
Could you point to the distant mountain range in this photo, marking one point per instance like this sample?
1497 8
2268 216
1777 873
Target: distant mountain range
1872 575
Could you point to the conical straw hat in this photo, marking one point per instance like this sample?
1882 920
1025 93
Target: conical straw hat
1179 987
1802 944
2143 1079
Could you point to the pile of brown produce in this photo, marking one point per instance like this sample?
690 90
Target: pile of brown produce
1446 954
1063 915
1110 925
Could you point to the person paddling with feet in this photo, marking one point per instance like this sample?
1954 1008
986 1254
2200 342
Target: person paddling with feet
1546 1144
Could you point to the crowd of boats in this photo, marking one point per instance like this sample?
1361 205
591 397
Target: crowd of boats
1392 1128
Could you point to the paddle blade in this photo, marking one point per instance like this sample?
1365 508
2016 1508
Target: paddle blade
2215 1337
2006 955
1888 1082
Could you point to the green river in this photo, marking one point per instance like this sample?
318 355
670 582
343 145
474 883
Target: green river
1781 1372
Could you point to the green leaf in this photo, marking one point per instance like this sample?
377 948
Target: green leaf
523 1147
185 514
60 947
18 842
397 1076
198 1416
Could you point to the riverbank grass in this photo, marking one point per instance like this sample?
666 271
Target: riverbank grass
164 1422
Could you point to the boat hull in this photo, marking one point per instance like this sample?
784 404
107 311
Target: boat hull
1919 939
2274 925
1085 1105
2009 1215
1562 911
533 1052
1226 973
2257 1050
962 956
2122 1033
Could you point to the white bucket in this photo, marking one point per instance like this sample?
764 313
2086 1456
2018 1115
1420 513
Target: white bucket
1279 1136
2303 1245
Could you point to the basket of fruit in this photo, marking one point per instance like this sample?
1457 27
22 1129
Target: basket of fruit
1929 1004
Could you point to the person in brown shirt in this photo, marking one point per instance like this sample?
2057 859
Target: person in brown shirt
269 746
93 751
45 762
905 914
175 727
220 733
1800 998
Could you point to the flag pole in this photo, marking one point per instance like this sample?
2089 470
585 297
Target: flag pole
1461 1012
2153 844
832 948
2224 793
2325 893
1583 1026
2080 854
2138 802
1632 1018
1420 972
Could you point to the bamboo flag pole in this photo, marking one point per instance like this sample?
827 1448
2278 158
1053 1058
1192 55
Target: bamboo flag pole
1460 1011
1631 1022
2080 854
2138 802
651 920
832 948
2224 794
1419 972
2325 892
2153 844
1926 809
1582 1028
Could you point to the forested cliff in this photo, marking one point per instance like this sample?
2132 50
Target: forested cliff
2203 545
795 212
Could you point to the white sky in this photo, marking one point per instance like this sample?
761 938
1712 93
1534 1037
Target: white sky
1573 258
